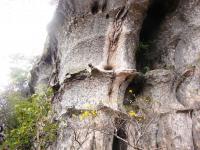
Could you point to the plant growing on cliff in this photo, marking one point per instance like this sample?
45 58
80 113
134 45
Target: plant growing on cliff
34 127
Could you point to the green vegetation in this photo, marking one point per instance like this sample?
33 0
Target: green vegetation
138 106
143 45
17 90
27 119
33 126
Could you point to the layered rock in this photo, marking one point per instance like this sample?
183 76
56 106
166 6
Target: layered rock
90 63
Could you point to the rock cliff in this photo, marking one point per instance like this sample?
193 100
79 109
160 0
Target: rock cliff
126 74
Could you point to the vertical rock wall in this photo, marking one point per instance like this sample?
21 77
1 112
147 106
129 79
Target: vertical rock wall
91 64
174 81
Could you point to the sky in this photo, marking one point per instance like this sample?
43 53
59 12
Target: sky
23 30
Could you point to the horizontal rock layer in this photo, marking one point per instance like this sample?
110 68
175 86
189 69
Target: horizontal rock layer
90 62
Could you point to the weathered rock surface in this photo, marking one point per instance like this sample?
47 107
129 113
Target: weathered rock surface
90 61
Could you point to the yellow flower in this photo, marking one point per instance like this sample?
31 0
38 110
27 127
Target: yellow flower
132 114
94 113
84 115
87 113
130 91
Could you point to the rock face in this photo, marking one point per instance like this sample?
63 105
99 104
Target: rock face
93 59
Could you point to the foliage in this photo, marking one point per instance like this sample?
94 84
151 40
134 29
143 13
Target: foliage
143 45
137 106
17 89
33 123
8 100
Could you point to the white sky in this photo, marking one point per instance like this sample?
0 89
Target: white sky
22 30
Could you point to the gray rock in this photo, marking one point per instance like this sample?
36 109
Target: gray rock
90 60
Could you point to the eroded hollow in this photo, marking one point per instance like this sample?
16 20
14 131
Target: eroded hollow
134 89
121 136
147 54
108 67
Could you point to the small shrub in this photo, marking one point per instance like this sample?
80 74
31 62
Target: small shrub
33 123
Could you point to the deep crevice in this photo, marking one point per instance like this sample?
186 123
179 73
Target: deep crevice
119 144
146 54
94 7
